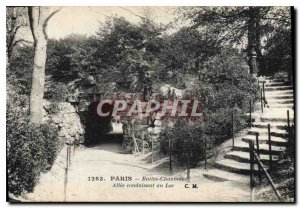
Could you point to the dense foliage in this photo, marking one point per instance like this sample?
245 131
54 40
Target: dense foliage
226 88
187 142
279 56
31 149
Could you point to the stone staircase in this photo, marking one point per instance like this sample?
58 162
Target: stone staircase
235 164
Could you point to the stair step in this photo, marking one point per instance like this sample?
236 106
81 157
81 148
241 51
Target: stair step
276 141
283 96
287 106
277 88
234 166
221 176
270 80
263 148
278 93
244 157
270 119
278 115
280 101
264 131
275 125
272 84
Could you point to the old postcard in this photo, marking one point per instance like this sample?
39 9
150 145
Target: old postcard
150 104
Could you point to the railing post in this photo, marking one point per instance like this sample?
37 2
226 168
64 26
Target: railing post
261 101
188 168
143 143
257 143
250 113
170 155
205 149
66 173
67 161
232 127
69 146
288 118
288 124
74 143
189 153
264 95
251 149
152 149
270 147
257 149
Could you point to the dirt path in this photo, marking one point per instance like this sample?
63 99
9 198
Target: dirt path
108 160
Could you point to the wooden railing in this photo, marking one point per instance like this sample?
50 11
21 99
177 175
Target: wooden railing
263 100
68 164
255 158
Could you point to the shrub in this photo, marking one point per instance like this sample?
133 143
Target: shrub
187 140
227 88
30 151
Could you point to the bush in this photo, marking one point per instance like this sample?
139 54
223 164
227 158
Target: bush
30 151
187 140
227 88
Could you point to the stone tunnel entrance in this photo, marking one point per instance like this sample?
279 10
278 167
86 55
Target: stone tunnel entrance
128 132
99 130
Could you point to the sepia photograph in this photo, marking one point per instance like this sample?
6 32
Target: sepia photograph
152 104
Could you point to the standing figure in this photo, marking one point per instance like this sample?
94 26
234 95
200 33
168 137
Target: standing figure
252 61
147 86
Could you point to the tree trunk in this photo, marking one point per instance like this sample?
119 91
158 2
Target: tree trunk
253 38
251 29
38 18
38 80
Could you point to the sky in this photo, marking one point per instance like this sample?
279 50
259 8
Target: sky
87 20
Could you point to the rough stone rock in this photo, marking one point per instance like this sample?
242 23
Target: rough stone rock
156 130
157 123
67 121
149 130
158 116
62 133
155 137
164 90
167 90
177 92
